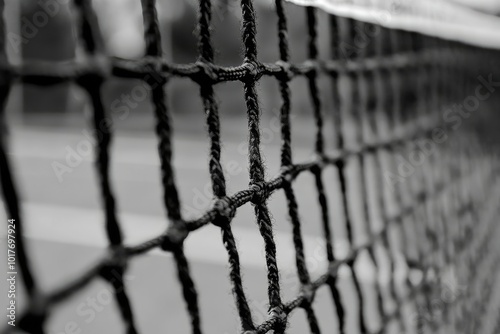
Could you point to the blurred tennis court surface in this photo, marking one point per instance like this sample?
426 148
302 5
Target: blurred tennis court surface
64 233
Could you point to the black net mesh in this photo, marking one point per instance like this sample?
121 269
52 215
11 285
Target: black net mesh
391 92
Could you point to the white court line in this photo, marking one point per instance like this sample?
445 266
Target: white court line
122 158
84 227
53 147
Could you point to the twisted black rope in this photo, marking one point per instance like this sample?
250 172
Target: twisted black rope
225 214
33 322
177 229
343 36
92 83
256 166
362 113
320 152
286 163
8 187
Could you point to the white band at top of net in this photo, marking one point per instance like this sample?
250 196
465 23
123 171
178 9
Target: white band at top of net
439 18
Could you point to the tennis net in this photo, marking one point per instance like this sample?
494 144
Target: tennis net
391 85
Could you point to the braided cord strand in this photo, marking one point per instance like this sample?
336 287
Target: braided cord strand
320 153
92 83
362 111
286 163
33 321
422 107
403 196
383 160
256 166
363 102
342 35
334 37
8 187
405 120
226 212
102 125
177 231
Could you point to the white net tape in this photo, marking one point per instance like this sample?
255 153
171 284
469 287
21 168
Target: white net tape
440 18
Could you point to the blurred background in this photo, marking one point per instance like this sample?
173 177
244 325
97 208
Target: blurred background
121 23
